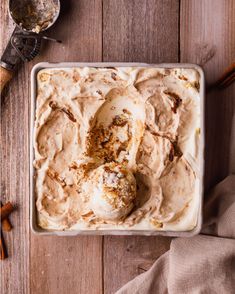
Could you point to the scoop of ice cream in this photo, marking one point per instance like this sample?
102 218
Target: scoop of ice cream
117 127
113 191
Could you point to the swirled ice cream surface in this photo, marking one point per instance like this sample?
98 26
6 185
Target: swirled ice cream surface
117 148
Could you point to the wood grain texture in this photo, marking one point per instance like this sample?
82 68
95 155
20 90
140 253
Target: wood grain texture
207 37
45 264
145 31
70 264
140 30
66 265
5 77
14 271
125 257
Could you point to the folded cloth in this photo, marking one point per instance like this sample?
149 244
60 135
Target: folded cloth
201 264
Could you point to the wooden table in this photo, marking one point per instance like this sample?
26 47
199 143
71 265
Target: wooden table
197 31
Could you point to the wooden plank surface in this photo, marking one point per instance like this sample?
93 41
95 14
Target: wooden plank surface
56 264
144 31
14 271
207 37
108 30
70 264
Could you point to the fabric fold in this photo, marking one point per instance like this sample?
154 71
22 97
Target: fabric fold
201 264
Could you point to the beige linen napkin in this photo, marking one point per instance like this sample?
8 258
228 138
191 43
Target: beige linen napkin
201 264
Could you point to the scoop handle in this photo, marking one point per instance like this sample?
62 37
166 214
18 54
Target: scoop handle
5 77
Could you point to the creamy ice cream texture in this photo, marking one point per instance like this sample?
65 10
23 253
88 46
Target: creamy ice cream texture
117 148
113 190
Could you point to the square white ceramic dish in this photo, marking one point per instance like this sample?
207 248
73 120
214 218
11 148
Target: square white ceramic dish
33 211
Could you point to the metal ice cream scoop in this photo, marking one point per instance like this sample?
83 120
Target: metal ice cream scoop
31 18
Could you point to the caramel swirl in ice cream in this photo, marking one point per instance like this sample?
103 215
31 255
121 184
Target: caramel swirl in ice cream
117 148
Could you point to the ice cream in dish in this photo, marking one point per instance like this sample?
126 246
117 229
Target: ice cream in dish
117 148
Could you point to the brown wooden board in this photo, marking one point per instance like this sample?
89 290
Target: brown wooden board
145 31
207 37
70 264
46 264
110 30
14 177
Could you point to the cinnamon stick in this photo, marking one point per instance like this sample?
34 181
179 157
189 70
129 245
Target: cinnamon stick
227 78
227 82
226 75
6 225
5 210
3 248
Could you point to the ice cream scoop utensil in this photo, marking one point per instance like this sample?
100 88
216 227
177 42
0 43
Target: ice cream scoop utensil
31 18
